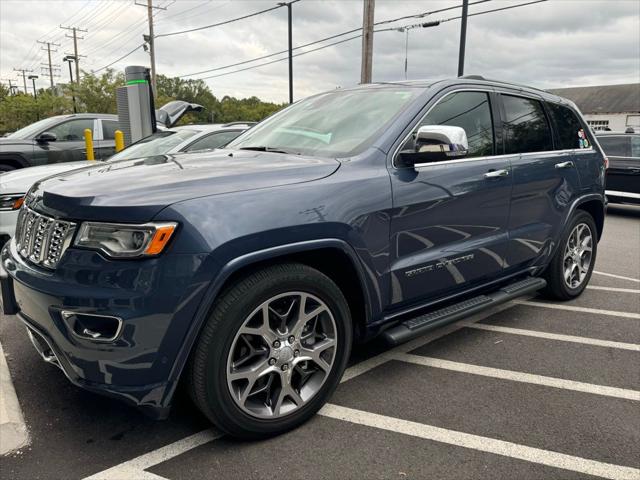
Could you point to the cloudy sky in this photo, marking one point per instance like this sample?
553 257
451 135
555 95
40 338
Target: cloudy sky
553 43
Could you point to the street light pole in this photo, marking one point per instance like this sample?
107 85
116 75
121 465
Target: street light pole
290 42
69 59
463 37
406 29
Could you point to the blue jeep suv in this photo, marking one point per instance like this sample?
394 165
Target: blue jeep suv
248 272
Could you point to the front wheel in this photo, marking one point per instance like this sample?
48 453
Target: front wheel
572 265
272 351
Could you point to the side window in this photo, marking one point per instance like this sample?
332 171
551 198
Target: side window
468 110
214 140
109 128
525 125
616 146
571 134
73 130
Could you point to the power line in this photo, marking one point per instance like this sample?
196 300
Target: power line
224 22
121 58
348 39
331 37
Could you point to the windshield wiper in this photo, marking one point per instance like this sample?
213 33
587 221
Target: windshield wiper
269 149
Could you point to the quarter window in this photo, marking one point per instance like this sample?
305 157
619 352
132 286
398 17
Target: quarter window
468 110
568 127
525 125
109 128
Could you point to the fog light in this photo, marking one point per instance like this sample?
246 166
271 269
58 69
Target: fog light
94 327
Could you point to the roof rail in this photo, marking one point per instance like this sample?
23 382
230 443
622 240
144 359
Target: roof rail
231 124
474 77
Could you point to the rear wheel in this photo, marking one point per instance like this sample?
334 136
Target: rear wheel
572 265
6 168
272 351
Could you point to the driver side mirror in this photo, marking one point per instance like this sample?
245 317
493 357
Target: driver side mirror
46 137
434 143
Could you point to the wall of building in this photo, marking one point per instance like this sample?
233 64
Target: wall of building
615 121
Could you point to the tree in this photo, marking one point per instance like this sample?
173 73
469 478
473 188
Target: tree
97 94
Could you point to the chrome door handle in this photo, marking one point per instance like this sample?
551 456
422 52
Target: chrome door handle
497 173
568 164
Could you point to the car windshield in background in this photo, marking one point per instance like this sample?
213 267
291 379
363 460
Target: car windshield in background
157 144
30 131
335 124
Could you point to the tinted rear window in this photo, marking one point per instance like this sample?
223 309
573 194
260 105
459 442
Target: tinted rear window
570 132
616 146
525 125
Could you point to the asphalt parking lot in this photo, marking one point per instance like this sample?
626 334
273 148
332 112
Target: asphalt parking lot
532 390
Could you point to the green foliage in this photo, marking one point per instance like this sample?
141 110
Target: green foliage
97 94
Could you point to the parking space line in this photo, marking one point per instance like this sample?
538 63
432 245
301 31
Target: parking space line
483 444
136 467
572 308
13 430
519 376
613 289
556 336
620 277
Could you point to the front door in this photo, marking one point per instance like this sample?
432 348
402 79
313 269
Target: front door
69 145
448 226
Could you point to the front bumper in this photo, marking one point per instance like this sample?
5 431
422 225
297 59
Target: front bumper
8 221
156 300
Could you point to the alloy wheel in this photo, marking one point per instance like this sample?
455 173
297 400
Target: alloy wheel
578 255
282 355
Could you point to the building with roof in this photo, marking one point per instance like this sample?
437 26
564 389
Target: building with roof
607 107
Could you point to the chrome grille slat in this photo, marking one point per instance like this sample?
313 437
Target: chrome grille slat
42 239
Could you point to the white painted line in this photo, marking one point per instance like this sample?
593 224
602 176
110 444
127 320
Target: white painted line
616 276
519 376
13 431
571 308
136 467
613 289
483 444
556 336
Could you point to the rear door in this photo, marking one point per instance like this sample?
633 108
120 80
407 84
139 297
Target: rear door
623 175
449 218
545 179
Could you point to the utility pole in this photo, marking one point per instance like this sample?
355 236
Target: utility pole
463 37
75 37
367 42
24 76
151 40
48 49
290 35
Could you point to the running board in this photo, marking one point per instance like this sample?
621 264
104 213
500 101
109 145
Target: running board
417 326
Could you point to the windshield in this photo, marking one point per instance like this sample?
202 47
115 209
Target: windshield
157 144
30 131
335 124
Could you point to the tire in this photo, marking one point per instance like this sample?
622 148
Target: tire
6 168
267 408
558 287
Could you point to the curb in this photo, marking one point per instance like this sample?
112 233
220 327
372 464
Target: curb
13 431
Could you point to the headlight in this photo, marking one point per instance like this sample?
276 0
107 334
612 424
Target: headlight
123 240
13 201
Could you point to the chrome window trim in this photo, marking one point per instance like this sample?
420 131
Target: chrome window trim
486 157
618 193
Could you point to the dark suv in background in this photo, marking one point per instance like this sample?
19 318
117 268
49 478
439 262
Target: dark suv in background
383 209
623 174
58 139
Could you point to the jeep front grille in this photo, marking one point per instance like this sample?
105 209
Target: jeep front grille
40 239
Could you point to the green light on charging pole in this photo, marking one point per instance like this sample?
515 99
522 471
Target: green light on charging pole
131 82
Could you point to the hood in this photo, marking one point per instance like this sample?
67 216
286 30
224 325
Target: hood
10 144
171 112
136 190
20 181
